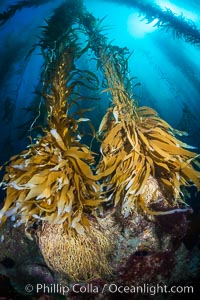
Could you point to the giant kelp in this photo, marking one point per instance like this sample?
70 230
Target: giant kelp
138 145
52 180
13 8
180 26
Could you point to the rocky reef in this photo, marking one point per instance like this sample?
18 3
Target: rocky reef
133 252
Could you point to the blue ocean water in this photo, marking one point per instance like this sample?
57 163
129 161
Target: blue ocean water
166 65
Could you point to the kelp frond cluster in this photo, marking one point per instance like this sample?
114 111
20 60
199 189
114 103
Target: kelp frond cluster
51 183
138 145
53 180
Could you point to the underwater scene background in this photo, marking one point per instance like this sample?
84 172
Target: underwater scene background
99 146
165 62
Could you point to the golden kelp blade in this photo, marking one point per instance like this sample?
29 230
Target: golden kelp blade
64 190
53 180
137 145
147 150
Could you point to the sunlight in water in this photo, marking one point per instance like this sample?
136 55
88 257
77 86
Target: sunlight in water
137 27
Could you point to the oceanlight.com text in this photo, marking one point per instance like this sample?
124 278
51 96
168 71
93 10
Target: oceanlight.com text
112 288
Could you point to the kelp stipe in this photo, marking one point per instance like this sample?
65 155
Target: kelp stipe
13 8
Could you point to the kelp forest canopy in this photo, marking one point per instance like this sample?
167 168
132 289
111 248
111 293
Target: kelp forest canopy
59 177
180 26
19 78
